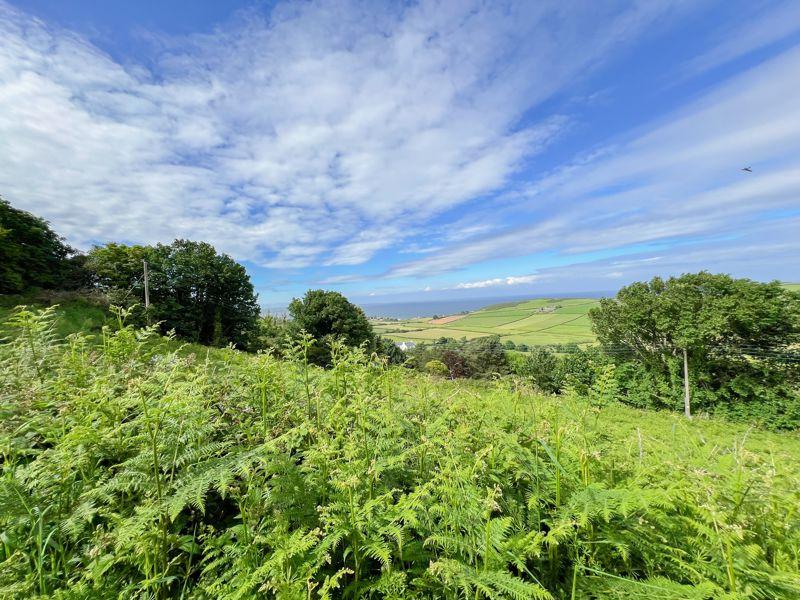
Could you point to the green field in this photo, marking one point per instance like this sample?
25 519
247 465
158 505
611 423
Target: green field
536 322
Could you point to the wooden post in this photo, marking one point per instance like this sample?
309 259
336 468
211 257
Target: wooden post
687 398
146 293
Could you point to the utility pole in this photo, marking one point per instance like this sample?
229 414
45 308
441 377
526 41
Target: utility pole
687 398
146 292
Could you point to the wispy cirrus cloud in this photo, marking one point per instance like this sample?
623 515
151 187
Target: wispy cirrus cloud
758 26
678 180
291 138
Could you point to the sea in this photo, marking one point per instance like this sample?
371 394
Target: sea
427 308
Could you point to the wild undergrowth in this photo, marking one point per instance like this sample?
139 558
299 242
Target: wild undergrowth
133 470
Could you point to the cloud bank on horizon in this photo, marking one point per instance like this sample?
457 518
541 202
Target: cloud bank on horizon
442 146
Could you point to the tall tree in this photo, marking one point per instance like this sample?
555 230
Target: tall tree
31 253
202 295
327 315
733 333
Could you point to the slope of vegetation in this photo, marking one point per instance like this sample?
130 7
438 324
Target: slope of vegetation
532 322
131 470
77 312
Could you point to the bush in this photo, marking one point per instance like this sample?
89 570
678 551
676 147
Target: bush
543 369
480 358
437 367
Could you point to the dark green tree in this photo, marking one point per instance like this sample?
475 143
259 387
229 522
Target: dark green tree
388 349
202 295
486 357
32 254
542 367
326 315
736 335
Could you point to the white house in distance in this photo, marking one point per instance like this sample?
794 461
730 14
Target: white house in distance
405 346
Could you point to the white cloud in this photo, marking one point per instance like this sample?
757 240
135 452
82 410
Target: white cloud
679 179
760 254
498 281
289 139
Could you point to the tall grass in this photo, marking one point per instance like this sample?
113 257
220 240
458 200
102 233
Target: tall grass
133 470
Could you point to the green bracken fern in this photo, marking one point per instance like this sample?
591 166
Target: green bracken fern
135 468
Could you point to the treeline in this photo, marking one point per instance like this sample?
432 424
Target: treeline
735 343
195 293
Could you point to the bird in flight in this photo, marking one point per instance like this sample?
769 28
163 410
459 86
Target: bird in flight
748 169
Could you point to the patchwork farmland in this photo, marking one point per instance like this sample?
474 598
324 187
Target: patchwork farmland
537 322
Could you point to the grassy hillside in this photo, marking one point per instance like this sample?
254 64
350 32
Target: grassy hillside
532 322
133 471
76 313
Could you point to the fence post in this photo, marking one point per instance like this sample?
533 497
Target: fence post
687 398
146 293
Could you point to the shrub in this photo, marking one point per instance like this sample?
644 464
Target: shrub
543 369
437 367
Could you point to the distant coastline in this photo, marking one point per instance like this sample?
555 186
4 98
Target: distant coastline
429 308
410 309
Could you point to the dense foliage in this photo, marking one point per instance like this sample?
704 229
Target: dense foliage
203 296
739 336
329 316
481 358
33 255
134 469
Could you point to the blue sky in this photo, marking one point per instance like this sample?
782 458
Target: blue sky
414 150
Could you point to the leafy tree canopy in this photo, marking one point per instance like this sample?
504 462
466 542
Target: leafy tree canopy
204 296
736 333
328 315
480 358
437 367
698 312
31 254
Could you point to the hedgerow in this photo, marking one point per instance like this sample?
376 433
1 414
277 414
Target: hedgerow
134 468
